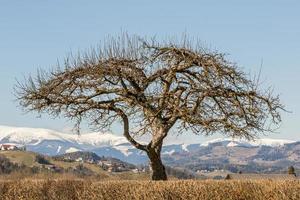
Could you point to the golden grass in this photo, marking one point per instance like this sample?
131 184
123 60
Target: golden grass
126 190
20 157
100 175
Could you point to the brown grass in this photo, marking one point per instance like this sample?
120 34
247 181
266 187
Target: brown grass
99 176
21 157
119 190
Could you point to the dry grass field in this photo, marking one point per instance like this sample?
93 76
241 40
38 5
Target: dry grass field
119 190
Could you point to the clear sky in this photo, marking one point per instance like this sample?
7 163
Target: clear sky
35 33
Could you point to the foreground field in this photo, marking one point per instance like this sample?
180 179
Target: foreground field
80 189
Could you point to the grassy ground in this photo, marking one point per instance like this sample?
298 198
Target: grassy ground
21 157
101 175
82 189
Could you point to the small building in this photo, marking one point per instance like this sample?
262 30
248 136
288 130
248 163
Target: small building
79 159
106 163
11 147
136 171
260 177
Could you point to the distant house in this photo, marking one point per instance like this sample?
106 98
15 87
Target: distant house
105 163
260 177
79 159
11 147
135 170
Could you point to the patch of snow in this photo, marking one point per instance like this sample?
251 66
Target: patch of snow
207 143
123 149
58 149
72 149
169 152
99 139
232 142
238 143
184 147
271 142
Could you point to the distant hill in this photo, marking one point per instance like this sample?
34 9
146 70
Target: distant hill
263 155
49 142
35 163
27 164
79 155
242 157
78 164
90 157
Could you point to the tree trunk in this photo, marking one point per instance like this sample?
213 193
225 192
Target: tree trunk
158 169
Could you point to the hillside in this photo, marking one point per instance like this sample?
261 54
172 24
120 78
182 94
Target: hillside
87 165
251 159
90 157
30 165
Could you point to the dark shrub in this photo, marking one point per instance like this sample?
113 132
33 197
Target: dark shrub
42 160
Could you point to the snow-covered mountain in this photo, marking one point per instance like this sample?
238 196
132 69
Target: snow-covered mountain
51 142
107 144
229 142
34 136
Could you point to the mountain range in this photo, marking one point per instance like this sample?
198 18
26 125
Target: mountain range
233 154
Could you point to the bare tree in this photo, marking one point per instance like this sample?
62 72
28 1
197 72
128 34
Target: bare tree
154 87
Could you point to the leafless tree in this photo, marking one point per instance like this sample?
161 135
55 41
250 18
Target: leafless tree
154 87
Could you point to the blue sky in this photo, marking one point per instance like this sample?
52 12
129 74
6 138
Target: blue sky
35 33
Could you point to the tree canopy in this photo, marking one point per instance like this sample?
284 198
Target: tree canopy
153 87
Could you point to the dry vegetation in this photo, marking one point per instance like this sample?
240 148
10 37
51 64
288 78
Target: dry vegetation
120 176
81 189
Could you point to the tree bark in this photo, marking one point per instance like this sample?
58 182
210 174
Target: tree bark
158 171
152 150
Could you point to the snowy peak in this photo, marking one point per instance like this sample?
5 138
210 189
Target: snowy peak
34 136
245 143
31 136
99 139
271 142
52 143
